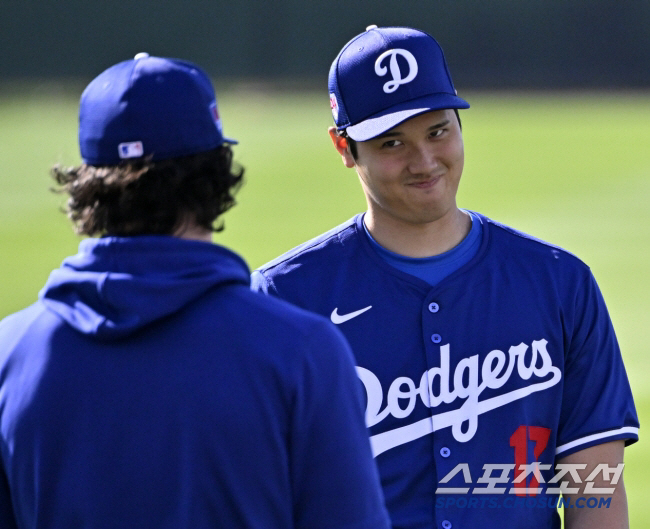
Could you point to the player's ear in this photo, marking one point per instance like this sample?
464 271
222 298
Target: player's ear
341 145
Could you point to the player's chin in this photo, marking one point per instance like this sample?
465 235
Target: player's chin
431 203
425 214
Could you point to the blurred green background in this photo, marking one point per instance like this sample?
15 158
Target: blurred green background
571 168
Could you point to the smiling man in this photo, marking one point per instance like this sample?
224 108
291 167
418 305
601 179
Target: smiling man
493 378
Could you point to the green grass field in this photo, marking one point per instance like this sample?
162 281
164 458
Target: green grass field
573 169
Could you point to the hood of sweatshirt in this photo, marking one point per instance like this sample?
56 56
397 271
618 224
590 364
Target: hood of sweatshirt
116 285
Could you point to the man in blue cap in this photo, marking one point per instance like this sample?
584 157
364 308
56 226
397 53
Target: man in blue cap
487 356
148 387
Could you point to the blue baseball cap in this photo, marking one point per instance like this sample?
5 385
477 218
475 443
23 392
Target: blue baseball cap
148 106
385 76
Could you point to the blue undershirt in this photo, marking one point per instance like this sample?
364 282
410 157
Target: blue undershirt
435 268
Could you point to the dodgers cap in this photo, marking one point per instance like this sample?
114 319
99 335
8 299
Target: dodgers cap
385 76
148 106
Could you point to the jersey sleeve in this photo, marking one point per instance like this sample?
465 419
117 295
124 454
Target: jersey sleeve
597 406
334 478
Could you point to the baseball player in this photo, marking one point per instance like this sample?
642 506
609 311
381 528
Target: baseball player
149 387
487 356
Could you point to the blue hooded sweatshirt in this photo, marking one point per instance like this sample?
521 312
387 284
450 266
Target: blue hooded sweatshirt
150 387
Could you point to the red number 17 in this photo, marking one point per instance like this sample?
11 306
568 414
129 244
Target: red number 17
519 441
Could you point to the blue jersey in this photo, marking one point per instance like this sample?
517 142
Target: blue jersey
510 359
149 387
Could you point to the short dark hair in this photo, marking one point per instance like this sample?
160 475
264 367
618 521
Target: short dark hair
353 144
143 197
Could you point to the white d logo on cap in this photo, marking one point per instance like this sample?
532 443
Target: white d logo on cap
391 86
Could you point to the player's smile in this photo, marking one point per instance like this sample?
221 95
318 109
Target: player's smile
426 183
411 172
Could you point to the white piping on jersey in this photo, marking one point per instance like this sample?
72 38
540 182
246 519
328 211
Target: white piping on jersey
493 376
595 437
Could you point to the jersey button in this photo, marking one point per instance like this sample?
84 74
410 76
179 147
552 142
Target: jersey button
434 307
436 338
445 452
446 524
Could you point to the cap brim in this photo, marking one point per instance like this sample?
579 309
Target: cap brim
230 141
389 118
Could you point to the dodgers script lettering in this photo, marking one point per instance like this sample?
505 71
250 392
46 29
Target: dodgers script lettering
497 368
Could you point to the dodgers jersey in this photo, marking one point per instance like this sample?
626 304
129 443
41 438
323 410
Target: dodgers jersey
510 359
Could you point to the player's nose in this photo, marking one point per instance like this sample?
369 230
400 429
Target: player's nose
424 160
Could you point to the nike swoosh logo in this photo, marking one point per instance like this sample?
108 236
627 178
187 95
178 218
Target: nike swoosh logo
342 318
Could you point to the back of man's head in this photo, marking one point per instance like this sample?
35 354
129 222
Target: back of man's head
153 149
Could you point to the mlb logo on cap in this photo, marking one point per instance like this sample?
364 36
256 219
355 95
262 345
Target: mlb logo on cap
132 149
385 76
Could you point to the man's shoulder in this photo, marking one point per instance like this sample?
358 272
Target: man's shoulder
520 245
15 325
278 313
32 325
316 250
281 326
276 334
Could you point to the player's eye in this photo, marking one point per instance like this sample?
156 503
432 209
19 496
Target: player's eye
390 143
437 133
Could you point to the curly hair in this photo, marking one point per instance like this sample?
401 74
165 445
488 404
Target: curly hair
142 197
